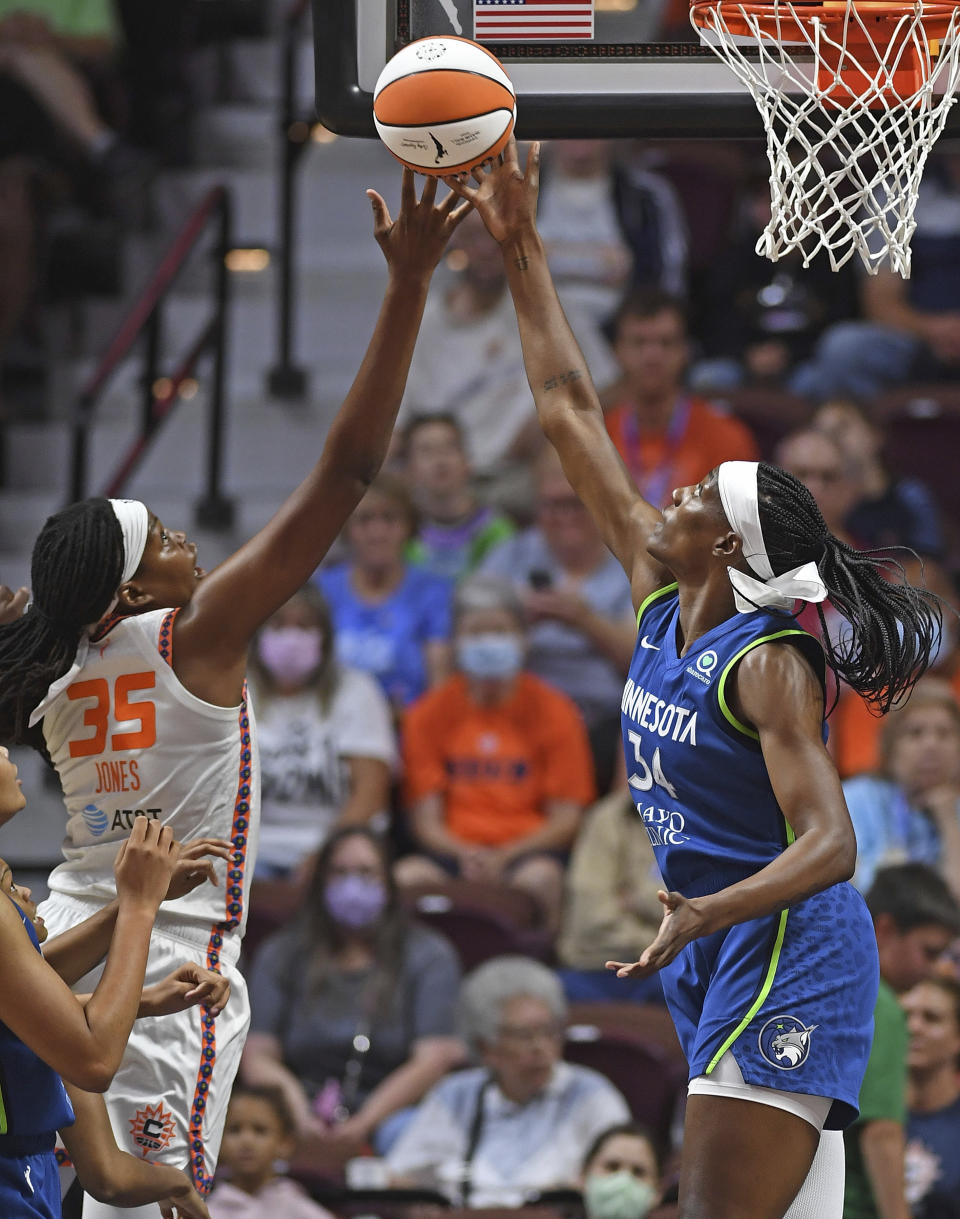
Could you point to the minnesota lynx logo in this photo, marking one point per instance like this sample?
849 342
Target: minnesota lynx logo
785 1042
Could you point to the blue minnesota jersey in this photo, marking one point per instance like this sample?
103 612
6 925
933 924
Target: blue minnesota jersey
697 776
33 1101
791 994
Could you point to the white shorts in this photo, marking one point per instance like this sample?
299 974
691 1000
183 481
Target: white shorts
168 1101
725 1080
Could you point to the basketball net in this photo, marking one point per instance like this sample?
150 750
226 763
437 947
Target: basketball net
853 95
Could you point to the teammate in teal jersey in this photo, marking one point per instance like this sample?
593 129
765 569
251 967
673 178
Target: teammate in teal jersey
760 930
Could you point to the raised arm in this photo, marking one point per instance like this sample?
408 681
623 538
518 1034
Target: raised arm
565 397
213 631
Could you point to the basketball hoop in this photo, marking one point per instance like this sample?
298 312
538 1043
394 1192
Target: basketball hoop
853 95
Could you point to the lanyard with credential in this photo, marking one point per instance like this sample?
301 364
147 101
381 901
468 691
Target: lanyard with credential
655 484
473 1141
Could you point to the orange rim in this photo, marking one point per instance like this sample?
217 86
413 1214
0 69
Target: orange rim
786 20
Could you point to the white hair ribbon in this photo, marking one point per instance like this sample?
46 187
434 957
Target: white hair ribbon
737 484
134 521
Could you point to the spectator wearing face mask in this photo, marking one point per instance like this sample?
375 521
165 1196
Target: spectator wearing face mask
621 1174
497 762
352 1005
327 746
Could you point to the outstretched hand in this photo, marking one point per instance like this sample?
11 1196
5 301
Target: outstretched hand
682 922
503 193
416 239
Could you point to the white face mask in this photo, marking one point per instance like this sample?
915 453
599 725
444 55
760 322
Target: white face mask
491 654
618 1195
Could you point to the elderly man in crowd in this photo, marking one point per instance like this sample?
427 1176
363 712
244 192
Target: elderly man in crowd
522 1121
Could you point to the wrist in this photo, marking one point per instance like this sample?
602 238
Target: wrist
410 279
524 242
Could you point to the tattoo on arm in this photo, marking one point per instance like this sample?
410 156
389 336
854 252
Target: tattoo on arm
563 378
522 262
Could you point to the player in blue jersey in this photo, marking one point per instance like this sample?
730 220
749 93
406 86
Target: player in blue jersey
767 955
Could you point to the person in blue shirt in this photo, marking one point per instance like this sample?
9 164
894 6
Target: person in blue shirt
767 956
391 618
933 1096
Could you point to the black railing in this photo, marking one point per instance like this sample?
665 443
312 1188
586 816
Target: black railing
214 510
287 379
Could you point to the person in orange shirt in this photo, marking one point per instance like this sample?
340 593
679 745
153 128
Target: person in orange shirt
498 765
666 437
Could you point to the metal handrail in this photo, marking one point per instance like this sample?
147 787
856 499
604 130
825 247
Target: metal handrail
214 510
286 379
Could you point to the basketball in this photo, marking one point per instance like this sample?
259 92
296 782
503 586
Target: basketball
444 105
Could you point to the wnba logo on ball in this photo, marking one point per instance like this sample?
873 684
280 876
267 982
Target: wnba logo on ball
427 51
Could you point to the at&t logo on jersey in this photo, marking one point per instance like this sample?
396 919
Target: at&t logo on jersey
96 819
705 667
784 1042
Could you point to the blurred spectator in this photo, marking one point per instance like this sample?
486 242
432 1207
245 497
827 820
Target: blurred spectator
468 359
914 917
455 531
497 762
257 1137
352 1005
933 1096
582 627
608 225
621 1174
816 458
911 811
520 1123
758 319
50 56
327 747
18 250
667 437
911 327
888 511
611 911
390 618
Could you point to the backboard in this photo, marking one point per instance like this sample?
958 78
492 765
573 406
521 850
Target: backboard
623 81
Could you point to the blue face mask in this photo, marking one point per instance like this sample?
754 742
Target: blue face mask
494 654
617 1195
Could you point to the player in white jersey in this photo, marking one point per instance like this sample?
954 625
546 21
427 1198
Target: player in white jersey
128 670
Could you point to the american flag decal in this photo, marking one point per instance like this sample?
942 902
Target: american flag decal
532 20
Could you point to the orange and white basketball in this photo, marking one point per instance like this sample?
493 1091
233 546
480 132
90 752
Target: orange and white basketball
444 105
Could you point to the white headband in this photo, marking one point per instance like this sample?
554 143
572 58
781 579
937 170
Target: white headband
134 521
737 483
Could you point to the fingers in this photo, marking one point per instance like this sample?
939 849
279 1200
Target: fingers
429 191
510 156
408 191
461 187
381 213
222 848
459 212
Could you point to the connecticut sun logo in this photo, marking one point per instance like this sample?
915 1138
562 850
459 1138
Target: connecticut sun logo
785 1042
152 1129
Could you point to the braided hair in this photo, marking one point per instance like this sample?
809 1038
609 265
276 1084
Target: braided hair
75 570
894 626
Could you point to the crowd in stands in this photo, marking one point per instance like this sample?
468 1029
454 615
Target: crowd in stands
449 851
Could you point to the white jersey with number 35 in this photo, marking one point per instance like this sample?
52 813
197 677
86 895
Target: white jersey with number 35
127 740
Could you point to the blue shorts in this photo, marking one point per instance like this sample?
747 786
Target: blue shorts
791 995
30 1186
